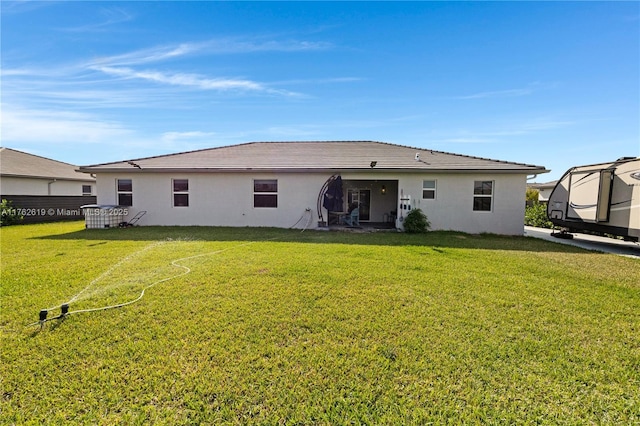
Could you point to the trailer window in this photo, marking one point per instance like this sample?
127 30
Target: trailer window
604 196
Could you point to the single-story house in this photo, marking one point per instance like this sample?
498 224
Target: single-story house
44 189
275 184
544 190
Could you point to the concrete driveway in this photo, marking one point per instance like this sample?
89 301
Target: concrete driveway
589 242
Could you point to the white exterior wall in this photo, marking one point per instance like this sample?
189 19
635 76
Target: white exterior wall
216 199
543 194
226 199
10 185
452 209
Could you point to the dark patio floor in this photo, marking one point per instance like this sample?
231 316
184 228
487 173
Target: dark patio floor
365 227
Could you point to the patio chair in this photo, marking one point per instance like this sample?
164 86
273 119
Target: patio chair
353 219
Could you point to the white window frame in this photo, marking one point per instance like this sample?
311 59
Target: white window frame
181 192
434 189
120 192
483 196
258 193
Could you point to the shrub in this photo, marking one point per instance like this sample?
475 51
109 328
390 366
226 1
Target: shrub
532 196
536 215
416 222
8 214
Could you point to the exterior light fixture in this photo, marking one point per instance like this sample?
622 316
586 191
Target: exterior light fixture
383 190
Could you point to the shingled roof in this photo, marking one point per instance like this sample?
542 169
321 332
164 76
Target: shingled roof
313 156
21 164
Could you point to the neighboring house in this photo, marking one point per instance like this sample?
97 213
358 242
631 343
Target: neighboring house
43 189
278 183
544 190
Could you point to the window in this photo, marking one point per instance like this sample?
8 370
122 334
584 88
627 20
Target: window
180 192
482 195
86 189
428 189
265 193
125 192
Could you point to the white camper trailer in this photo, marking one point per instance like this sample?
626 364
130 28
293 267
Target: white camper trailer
601 198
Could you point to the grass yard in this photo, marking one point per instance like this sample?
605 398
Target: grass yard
282 327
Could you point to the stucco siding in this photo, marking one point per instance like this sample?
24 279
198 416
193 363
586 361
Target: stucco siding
452 209
226 199
216 199
10 185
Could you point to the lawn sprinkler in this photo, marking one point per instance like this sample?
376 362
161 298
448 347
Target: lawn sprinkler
43 317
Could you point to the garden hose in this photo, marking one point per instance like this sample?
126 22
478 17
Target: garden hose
64 307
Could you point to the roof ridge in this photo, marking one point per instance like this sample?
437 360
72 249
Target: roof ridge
227 146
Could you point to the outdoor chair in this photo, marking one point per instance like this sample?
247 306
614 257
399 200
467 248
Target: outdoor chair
353 219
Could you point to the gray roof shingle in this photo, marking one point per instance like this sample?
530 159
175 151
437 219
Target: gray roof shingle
314 156
21 164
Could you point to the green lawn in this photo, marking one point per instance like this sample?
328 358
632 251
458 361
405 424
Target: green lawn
283 327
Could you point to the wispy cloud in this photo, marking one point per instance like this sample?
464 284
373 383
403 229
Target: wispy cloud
78 89
110 17
16 7
126 65
51 104
35 126
192 80
208 47
145 56
16 72
74 85
329 80
509 93
236 45
38 130
182 79
529 89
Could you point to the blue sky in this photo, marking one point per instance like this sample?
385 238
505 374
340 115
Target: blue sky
547 83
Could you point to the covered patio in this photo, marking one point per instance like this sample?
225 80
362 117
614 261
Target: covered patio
375 203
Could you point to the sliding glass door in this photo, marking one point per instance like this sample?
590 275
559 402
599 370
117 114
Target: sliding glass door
362 198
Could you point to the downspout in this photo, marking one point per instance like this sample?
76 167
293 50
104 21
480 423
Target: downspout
49 186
